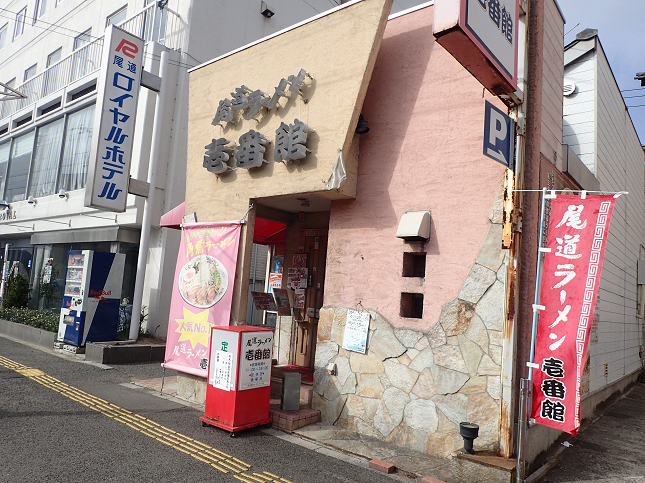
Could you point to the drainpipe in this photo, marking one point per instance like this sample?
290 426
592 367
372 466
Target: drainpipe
530 201
144 241
513 205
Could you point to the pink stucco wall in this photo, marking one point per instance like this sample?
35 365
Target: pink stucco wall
424 151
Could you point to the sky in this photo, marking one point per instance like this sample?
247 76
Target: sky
620 25
620 30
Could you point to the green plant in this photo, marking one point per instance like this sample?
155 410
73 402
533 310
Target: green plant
41 319
17 292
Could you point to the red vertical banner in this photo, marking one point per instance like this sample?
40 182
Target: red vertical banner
202 292
571 275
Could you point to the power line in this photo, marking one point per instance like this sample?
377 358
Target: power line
317 11
42 21
640 105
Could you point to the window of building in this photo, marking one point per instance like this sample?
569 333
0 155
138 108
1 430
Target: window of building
44 169
20 23
117 17
39 9
58 2
83 39
52 157
30 72
19 167
5 150
11 83
54 56
76 152
3 36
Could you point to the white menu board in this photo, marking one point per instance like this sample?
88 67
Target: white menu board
356 327
222 364
255 360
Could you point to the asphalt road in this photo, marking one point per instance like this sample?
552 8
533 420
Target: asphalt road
66 421
611 449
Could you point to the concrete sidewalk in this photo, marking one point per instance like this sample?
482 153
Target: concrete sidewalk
611 448
361 448
407 462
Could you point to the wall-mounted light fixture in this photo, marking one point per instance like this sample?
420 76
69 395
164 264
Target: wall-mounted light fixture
31 200
362 127
266 10
63 194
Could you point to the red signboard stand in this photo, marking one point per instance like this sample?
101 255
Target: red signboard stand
239 378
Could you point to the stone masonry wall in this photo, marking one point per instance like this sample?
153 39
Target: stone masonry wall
414 388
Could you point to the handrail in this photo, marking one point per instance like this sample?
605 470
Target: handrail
151 24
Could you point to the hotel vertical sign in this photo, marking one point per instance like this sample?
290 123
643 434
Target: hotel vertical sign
118 94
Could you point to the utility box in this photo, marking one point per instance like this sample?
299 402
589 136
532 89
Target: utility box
239 378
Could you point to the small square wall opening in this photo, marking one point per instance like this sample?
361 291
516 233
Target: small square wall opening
412 305
414 264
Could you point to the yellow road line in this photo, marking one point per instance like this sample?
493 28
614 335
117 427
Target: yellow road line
200 458
221 469
254 478
217 459
264 477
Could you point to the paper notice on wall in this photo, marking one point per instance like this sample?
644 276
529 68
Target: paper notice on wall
299 302
301 241
356 328
47 270
275 281
297 278
299 260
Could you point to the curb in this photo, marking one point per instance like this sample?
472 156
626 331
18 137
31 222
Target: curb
31 335
106 353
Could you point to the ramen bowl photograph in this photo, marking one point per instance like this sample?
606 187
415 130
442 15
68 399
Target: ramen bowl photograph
203 281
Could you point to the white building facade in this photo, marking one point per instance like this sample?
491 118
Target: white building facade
50 51
598 129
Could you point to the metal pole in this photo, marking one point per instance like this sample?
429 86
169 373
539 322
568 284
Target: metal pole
526 385
155 153
522 427
4 269
537 294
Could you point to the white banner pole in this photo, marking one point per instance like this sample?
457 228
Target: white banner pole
526 384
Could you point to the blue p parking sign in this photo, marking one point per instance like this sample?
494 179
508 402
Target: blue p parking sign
499 135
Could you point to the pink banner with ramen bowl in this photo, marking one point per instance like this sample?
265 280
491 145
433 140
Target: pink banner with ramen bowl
202 292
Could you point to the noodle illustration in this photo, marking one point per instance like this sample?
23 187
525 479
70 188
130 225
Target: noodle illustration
203 281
